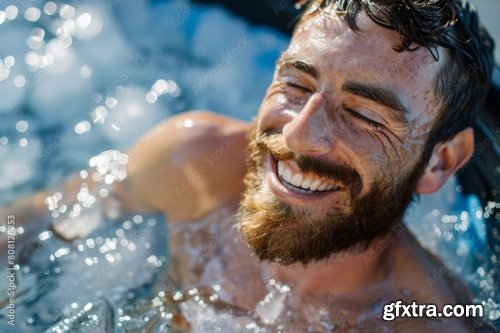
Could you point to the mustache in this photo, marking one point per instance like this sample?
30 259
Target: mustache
275 143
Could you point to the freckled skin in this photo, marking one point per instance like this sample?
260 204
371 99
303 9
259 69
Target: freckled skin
340 54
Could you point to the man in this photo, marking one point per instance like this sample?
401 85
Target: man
370 105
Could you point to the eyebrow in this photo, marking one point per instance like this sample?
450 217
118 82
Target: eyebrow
301 65
380 96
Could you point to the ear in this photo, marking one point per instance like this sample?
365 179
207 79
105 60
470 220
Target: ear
447 157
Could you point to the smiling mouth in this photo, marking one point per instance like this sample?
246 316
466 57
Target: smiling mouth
306 183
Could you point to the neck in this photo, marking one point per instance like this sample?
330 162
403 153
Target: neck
346 272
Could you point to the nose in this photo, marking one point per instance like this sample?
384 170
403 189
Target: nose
307 133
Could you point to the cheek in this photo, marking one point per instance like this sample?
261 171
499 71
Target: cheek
374 162
268 118
386 150
275 112
414 144
373 170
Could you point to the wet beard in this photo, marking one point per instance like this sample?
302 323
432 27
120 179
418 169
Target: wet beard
285 234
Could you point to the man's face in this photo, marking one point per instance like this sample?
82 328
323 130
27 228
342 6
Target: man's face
338 141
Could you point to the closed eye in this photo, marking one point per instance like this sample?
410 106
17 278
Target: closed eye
296 86
371 123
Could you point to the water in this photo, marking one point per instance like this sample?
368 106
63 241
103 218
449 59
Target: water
78 78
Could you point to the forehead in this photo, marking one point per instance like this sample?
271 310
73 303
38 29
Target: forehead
367 55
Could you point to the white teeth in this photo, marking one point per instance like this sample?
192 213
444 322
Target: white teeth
314 186
296 180
287 175
306 183
322 187
281 168
299 180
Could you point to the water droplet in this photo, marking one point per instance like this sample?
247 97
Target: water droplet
11 12
127 225
32 14
67 27
109 179
83 20
82 127
22 126
50 8
85 72
45 235
9 61
32 59
19 81
160 87
151 97
100 114
111 102
103 193
66 11
38 34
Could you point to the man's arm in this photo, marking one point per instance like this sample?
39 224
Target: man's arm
188 165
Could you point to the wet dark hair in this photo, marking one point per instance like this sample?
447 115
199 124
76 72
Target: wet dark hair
463 82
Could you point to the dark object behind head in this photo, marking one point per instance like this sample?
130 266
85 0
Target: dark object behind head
480 175
463 82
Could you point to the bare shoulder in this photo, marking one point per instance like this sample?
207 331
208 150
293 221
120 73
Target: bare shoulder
421 277
189 165
424 276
